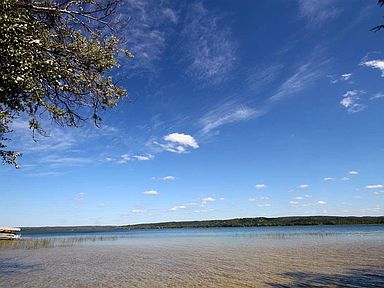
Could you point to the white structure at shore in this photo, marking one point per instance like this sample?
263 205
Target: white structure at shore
9 233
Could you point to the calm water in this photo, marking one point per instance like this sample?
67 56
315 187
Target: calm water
307 256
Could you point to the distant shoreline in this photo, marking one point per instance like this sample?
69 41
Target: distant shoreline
237 222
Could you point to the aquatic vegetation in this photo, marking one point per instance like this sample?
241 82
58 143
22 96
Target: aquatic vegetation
38 243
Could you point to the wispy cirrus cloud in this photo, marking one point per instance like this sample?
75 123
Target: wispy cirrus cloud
56 139
259 78
304 75
145 33
377 96
209 48
245 108
317 12
227 113
58 161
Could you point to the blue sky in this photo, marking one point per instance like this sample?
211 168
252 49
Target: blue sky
236 109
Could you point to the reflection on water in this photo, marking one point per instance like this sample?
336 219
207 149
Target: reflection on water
288 257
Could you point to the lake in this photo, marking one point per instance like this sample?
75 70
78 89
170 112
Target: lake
299 256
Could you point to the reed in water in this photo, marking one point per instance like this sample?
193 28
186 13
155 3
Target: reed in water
37 243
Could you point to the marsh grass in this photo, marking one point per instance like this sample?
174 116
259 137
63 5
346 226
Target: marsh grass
38 243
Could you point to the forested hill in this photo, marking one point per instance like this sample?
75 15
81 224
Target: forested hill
239 222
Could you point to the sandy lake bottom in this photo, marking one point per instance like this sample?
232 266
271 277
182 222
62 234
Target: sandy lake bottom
231 260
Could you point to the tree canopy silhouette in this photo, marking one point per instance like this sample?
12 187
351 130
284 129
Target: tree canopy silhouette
55 59
380 26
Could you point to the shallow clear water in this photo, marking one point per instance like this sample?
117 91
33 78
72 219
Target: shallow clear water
307 256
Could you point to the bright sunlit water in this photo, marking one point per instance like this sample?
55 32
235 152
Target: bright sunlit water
307 256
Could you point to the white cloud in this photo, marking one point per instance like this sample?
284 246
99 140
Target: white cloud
80 197
208 199
346 102
263 205
375 186
178 207
303 197
351 101
373 209
345 178
293 202
306 204
317 12
346 76
183 139
329 178
353 172
138 211
342 77
351 93
203 211
124 159
178 143
303 186
221 198
164 178
168 178
260 186
258 198
171 147
321 202
376 64
144 157
151 192
209 50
